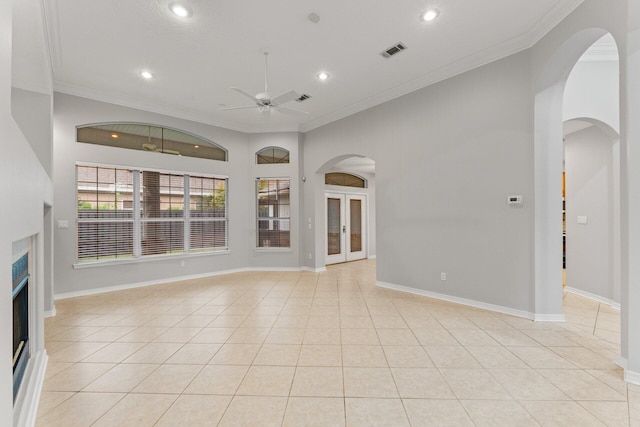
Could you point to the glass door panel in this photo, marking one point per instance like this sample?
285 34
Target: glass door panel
355 232
334 245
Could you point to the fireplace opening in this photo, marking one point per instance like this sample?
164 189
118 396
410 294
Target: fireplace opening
20 320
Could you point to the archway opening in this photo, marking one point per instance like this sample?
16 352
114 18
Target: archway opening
348 226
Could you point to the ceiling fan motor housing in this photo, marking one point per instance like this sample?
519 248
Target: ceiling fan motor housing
264 97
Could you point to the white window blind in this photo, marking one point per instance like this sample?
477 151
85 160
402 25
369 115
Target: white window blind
273 213
130 213
105 226
162 213
208 213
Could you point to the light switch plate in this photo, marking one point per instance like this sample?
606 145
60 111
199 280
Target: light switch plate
582 219
63 223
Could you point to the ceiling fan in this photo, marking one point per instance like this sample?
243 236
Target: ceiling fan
263 100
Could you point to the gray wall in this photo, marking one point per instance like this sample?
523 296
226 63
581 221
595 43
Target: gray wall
589 182
71 111
32 113
446 159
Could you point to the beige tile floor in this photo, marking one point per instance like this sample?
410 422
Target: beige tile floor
328 349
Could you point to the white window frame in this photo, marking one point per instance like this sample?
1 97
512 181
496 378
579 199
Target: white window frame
138 220
271 219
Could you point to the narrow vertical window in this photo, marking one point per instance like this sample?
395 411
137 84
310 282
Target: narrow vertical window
273 213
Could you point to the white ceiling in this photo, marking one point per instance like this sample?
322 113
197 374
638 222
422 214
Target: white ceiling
98 47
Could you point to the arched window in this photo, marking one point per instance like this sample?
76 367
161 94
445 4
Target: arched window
157 139
344 179
271 155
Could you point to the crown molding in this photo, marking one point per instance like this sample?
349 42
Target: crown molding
17 83
52 38
468 63
551 19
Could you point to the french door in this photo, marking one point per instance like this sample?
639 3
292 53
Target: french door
346 229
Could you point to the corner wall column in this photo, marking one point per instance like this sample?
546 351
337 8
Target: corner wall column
631 283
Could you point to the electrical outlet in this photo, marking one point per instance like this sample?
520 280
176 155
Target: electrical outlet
443 276
181 263
309 255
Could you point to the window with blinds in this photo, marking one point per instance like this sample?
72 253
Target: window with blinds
273 213
131 213
208 213
105 226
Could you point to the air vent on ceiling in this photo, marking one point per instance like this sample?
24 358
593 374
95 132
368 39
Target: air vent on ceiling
303 97
393 50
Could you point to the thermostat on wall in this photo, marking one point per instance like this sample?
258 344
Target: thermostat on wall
514 200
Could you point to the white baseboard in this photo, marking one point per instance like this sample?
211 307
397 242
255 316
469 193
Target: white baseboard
632 377
371 257
555 318
144 284
50 313
314 270
26 407
96 291
593 297
458 300
629 376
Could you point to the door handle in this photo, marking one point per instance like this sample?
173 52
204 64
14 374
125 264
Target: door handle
344 228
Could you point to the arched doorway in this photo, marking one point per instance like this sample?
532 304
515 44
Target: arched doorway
349 208
548 158
591 137
592 210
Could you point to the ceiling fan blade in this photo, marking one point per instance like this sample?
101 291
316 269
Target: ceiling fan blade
239 108
291 111
248 95
285 97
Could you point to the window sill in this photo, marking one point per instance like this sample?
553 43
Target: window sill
272 250
148 258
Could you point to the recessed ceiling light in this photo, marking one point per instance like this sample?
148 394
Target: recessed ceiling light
114 135
196 146
323 75
430 15
146 74
180 10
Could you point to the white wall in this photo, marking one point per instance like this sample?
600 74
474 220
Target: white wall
446 159
25 181
631 189
593 90
33 113
590 171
